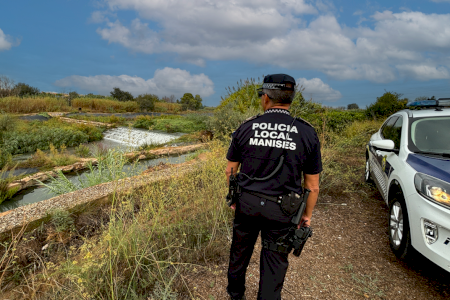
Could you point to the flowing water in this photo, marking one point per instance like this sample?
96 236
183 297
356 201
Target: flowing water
36 194
121 138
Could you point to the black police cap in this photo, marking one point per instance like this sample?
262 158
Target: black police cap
278 82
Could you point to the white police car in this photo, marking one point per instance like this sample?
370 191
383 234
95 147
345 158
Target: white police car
409 161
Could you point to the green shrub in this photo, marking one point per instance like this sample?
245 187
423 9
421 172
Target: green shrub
170 123
23 89
120 95
243 97
188 101
5 157
146 102
82 150
386 105
61 220
334 120
7 122
143 122
226 120
5 179
41 138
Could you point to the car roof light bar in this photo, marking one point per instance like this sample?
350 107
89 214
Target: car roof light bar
423 103
444 102
441 102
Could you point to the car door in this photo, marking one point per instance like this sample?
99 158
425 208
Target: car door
381 166
388 159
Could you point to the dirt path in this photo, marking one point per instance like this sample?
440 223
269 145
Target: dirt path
347 258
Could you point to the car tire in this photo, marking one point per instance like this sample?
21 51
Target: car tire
399 231
367 175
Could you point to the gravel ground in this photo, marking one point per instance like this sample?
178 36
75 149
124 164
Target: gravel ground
347 258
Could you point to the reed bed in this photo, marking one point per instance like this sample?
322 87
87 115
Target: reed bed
17 105
105 105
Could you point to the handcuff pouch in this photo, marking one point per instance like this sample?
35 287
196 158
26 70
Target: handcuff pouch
290 203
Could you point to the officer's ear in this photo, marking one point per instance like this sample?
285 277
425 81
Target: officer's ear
266 100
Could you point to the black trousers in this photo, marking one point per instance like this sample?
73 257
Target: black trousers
253 215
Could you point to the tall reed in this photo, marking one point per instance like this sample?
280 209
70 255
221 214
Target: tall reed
26 105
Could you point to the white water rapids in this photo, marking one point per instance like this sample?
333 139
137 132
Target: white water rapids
135 137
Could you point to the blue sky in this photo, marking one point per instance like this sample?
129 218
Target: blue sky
341 51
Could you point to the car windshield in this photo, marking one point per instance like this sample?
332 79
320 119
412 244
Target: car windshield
431 135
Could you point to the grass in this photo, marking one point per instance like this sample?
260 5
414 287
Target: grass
6 178
109 168
153 236
172 123
103 119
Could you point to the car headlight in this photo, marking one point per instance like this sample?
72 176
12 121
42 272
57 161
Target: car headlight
432 188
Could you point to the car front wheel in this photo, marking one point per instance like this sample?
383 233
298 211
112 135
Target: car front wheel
399 234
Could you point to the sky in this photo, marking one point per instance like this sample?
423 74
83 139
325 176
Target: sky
340 51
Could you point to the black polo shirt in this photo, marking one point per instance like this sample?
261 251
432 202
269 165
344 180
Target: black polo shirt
259 143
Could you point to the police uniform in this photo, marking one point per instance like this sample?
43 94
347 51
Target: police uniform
258 145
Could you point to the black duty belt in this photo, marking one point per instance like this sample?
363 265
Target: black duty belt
276 199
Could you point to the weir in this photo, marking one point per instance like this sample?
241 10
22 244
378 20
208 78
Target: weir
137 137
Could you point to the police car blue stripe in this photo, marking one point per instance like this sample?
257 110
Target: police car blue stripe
436 167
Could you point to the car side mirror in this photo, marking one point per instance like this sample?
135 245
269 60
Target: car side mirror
384 145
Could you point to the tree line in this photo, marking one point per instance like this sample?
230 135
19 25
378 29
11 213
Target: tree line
145 101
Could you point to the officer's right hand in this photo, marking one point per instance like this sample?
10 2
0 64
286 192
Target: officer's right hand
305 221
233 206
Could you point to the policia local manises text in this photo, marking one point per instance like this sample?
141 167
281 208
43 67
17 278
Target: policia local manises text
278 134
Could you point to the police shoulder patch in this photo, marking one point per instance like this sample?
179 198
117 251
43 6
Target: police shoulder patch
304 122
251 118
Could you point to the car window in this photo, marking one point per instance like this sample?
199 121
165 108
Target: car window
396 133
431 135
387 127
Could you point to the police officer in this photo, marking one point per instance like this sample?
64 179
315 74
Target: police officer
274 151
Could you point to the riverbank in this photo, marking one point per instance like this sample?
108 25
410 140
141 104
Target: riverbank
83 163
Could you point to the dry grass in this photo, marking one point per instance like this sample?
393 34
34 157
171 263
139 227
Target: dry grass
17 105
167 107
105 105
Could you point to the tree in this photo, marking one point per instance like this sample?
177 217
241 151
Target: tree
189 102
352 106
6 86
73 95
120 95
386 105
146 102
23 89
198 102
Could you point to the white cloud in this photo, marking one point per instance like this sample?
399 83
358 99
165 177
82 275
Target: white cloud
100 16
267 31
5 43
165 82
318 90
